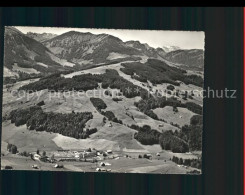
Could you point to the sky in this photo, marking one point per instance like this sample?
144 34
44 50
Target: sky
154 38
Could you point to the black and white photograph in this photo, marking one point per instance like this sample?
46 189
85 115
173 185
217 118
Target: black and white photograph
102 100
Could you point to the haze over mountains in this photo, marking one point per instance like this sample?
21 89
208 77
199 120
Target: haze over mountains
46 52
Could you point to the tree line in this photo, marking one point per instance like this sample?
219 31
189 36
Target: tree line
147 103
158 72
168 141
189 138
70 124
99 104
85 82
12 148
196 163
146 135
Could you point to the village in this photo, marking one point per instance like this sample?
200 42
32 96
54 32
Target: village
93 160
60 157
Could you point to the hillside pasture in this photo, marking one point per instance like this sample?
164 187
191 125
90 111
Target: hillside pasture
182 117
26 70
26 140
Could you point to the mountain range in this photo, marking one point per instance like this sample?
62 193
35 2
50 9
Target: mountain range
41 37
189 59
46 52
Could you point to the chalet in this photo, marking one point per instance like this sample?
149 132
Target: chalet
36 157
58 166
34 166
102 164
109 151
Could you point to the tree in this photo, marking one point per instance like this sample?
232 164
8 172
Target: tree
196 120
168 141
143 94
170 87
175 109
13 149
180 161
195 138
98 103
41 103
174 159
25 153
52 159
44 153
185 95
9 147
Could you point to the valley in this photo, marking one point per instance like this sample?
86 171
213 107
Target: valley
93 103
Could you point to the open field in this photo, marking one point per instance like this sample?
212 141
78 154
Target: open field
182 117
118 137
26 140
30 141
121 165
26 70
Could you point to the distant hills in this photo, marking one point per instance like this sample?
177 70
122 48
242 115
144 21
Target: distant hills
87 48
21 51
170 48
41 37
189 59
46 52
145 49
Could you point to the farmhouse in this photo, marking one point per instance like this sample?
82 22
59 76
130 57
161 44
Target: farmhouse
34 166
109 151
87 154
36 157
58 166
